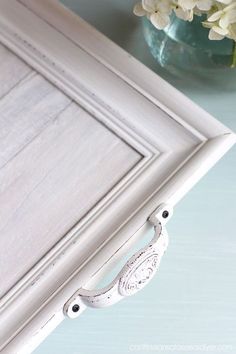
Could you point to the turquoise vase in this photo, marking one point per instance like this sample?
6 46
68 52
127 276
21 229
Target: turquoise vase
184 47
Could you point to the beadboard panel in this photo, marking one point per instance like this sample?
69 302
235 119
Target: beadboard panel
27 104
56 163
25 111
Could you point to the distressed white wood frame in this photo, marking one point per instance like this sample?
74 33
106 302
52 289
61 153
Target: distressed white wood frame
179 143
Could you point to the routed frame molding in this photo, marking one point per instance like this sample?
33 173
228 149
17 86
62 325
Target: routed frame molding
128 99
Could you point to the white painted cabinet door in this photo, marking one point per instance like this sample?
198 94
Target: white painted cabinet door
91 142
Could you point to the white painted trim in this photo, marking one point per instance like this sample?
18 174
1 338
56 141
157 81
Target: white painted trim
64 49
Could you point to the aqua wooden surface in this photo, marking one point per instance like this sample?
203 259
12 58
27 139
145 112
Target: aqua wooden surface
192 301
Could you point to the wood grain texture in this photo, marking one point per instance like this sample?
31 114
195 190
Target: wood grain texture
12 70
53 182
25 112
56 162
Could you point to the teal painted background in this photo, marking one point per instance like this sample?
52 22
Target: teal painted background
192 301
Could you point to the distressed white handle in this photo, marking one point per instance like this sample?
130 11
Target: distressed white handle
135 274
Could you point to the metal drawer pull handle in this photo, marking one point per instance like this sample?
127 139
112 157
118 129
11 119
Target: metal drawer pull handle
134 275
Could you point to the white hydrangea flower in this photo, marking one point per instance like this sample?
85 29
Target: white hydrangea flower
182 13
158 11
222 22
221 14
203 5
226 16
216 33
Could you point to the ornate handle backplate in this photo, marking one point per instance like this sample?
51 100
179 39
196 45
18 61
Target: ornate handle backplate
135 274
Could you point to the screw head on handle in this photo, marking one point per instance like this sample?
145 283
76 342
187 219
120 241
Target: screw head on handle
162 214
165 214
75 308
